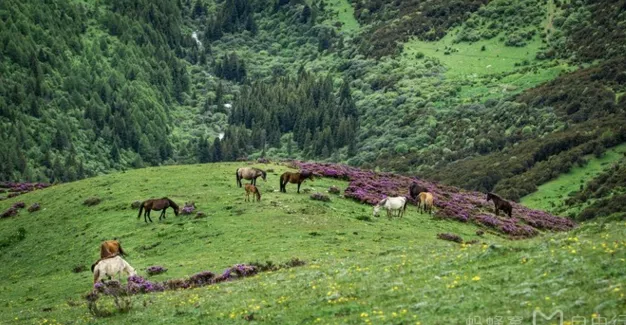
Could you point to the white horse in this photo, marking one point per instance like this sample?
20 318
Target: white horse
390 204
110 267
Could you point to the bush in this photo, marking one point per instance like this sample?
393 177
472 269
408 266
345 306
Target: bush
92 201
450 237
156 269
334 190
320 197
34 207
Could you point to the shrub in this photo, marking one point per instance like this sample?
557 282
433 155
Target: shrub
189 208
34 207
334 190
10 212
320 197
156 269
450 237
92 201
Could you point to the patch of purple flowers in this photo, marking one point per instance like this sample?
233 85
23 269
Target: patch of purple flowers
156 269
137 284
370 187
189 208
16 189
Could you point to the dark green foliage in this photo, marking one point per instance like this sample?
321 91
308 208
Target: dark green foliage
230 67
395 21
593 121
516 21
592 29
68 97
606 191
307 106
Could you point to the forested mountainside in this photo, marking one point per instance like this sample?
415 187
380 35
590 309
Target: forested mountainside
441 89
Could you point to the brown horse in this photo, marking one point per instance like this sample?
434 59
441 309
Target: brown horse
289 177
249 173
500 204
251 189
156 204
108 249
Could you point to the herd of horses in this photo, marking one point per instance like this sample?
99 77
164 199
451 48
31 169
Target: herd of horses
419 194
111 262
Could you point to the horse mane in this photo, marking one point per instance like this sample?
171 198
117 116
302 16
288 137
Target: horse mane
172 203
495 196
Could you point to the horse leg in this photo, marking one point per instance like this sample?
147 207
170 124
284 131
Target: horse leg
299 187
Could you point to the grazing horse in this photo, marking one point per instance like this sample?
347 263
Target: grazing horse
415 190
110 267
249 173
426 202
251 189
289 177
109 248
156 204
390 204
500 204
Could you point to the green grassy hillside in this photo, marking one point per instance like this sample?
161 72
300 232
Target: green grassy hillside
358 271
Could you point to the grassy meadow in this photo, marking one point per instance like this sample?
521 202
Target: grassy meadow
359 270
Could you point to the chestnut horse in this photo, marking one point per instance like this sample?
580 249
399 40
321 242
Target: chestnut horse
426 202
249 173
251 189
289 177
108 249
500 204
156 204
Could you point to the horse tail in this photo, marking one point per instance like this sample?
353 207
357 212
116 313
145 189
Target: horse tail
406 201
238 177
93 266
96 275
140 210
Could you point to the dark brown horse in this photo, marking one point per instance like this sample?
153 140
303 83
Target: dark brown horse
156 204
500 204
289 177
415 190
249 173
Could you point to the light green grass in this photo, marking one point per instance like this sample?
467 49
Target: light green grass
345 15
470 61
380 271
551 195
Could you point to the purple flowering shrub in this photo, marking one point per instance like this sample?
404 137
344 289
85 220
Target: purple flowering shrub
34 207
16 189
156 269
450 237
10 212
370 187
189 208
